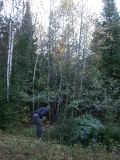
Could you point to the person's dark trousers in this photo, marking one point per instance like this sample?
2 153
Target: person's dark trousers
38 126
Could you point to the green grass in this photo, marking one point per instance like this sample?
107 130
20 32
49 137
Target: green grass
20 147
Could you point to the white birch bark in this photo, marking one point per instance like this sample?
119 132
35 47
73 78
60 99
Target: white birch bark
79 48
9 60
34 81
10 49
49 54
85 46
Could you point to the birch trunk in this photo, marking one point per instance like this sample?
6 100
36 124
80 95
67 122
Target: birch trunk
83 71
49 54
79 49
85 46
10 50
34 82
62 69
9 60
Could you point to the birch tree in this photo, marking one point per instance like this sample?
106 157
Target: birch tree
10 49
13 13
24 56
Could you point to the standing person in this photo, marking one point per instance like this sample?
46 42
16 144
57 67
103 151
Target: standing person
39 115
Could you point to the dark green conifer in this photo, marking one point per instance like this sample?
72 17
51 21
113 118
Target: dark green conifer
106 39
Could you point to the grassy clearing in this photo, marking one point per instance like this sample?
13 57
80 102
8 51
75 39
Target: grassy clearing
14 147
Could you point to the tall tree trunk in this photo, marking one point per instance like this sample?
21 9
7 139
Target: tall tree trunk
10 54
78 50
34 82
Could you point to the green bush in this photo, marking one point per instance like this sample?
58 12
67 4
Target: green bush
84 129
9 117
111 134
72 107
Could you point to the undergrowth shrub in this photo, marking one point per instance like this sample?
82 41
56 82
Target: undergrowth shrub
111 135
73 107
84 129
25 114
111 131
10 117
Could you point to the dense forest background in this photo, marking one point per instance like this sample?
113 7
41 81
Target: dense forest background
73 65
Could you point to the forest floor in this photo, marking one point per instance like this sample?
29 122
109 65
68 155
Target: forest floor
20 147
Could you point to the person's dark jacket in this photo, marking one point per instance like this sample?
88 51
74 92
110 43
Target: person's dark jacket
42 112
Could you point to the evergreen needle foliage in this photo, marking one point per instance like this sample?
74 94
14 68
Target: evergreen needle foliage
107 39
84 129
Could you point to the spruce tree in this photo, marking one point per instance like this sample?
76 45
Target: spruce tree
106 39
3 50
24 54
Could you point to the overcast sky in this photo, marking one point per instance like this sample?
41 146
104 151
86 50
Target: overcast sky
95 5
43 7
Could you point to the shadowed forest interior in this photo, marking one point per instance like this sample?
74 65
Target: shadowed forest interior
71 64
